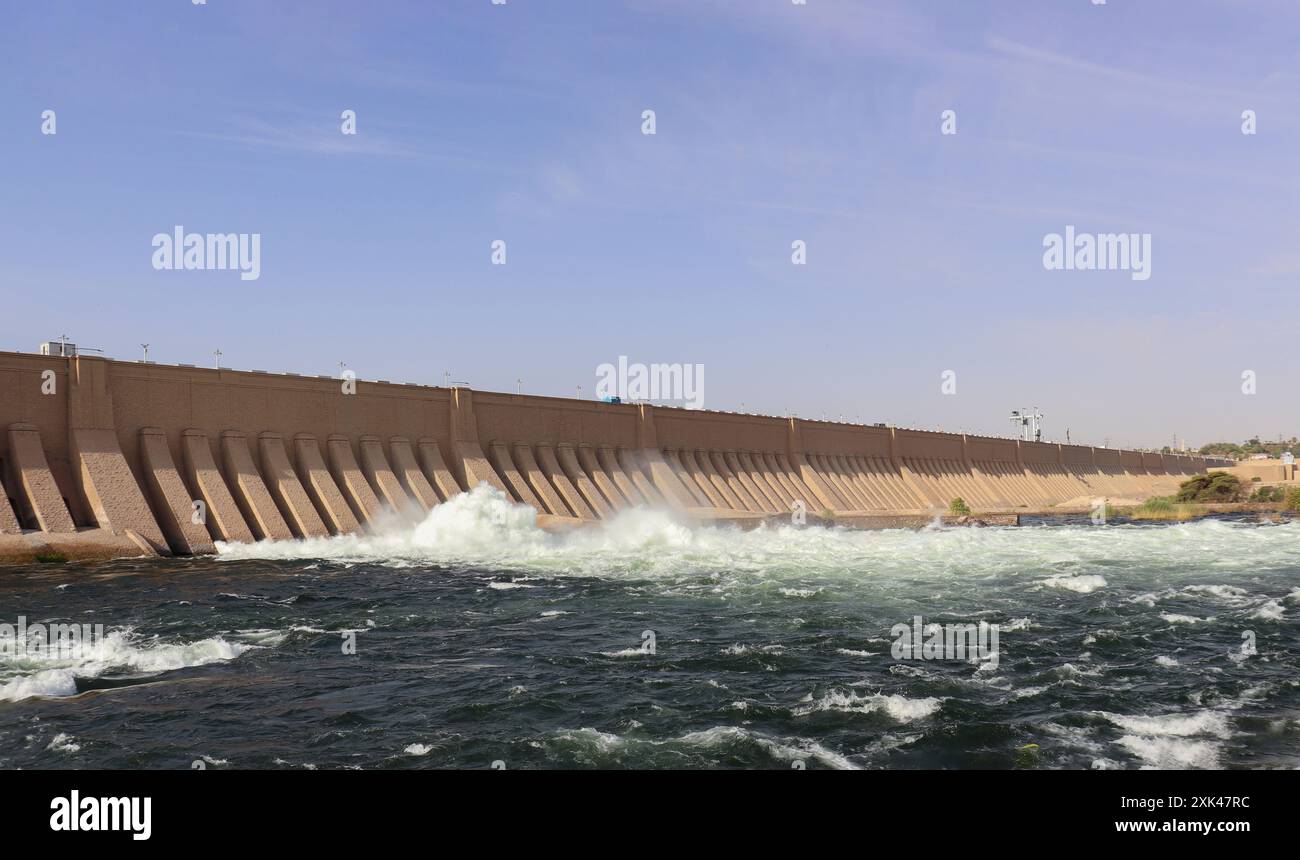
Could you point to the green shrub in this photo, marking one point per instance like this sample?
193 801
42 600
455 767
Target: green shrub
1210 487
958 508
1268 494
1293 499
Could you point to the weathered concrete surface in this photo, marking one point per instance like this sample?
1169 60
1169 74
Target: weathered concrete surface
609 462
596 502
93 467
587 457
347 475
249 490
633 467
435 469
321 487
1268 471
568 491
8 520
516 486
181 524
112 489
32 477
224 520
408 472
297 507
532 473
380 475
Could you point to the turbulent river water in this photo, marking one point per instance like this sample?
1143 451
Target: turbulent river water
471 637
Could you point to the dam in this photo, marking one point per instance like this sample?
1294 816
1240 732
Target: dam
103 458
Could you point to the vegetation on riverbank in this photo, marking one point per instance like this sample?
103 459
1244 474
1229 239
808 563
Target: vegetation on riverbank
1214 486
1165 508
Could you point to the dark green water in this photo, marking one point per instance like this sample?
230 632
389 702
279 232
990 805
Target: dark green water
480 639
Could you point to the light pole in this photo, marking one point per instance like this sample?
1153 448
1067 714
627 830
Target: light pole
216 354
145 347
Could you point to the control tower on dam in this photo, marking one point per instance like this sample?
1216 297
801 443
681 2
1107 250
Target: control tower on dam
101 458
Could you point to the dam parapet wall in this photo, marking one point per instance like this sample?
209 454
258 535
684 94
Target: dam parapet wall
111 457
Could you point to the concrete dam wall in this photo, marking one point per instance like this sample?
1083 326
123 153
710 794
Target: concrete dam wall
101 457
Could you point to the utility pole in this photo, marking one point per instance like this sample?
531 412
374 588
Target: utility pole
145 347
519 385
579 392
216 353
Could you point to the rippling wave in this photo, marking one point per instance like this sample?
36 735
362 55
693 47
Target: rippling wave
472 636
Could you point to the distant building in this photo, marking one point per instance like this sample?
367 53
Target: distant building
60 348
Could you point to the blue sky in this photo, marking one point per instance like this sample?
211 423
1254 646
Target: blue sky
775 122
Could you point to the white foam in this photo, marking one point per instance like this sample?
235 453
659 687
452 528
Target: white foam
716 738
1174 740
1166 662
1028 692
897 707
786 749
1225 593
1172 753
63 743
1270 610
1175 618
1175 725
485 529
1083 584
120 652
50 682
626 652
418 749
